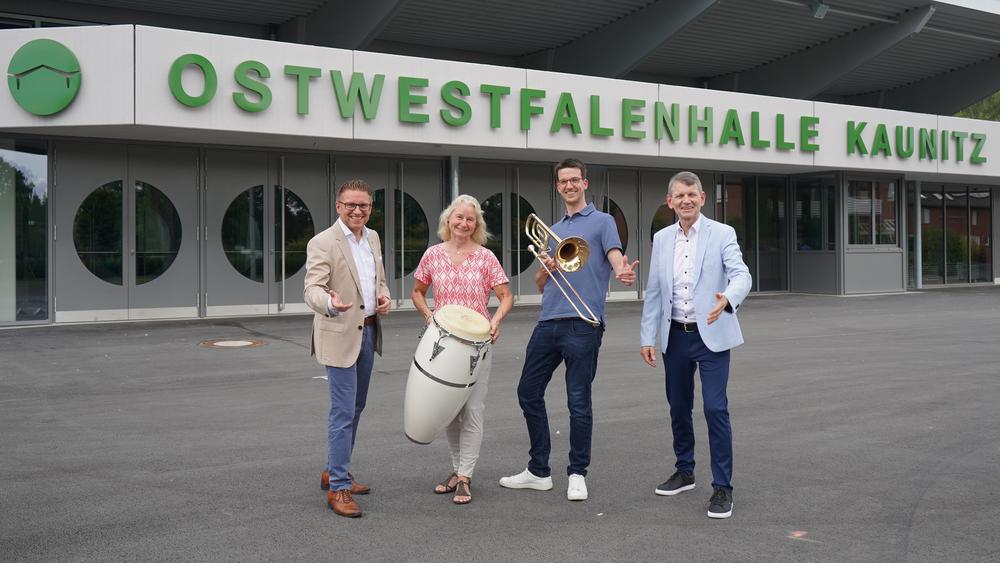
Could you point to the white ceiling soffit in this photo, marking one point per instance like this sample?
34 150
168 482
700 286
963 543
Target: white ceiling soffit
991 6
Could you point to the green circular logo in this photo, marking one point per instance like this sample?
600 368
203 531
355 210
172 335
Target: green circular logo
43 77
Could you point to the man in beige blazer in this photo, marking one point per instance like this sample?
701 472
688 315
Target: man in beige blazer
345 286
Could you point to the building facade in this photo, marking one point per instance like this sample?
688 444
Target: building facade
150 173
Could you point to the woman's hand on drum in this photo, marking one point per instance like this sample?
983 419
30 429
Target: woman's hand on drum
494 329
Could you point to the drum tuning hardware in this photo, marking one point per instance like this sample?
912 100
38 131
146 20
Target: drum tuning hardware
438 348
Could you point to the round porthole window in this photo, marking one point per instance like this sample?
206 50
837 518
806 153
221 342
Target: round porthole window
412 233
299 229
521 258
493 216
611 208
664 217
157 233
243 233
97 232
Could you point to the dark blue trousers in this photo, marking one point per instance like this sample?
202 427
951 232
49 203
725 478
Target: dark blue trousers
553 342
685 352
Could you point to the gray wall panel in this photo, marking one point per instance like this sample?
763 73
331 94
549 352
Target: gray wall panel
873 272
814 272
996 230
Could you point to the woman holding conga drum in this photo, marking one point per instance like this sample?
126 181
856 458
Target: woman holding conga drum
464 272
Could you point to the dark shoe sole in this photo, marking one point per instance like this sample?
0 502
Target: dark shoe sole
346 515
677 491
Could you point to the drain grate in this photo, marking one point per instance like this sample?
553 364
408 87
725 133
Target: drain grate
229 343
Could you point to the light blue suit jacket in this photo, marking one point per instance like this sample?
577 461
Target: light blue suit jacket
718 268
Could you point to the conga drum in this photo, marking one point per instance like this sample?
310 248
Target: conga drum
445 367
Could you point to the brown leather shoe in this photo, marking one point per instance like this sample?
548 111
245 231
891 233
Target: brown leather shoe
343 503
356 488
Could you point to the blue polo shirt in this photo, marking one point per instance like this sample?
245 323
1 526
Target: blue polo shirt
590 281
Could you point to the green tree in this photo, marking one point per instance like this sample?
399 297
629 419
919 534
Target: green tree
988 109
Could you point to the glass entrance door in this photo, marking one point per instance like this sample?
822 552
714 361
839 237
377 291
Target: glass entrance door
772 234
757 208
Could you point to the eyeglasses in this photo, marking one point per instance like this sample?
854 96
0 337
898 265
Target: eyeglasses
575 181
353 206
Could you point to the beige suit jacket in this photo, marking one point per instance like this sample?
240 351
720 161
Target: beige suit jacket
336 341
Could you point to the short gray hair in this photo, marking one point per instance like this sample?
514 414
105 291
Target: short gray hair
686 178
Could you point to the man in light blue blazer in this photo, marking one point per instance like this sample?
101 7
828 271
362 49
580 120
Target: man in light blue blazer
697 280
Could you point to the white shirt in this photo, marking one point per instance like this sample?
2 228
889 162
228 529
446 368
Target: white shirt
684 253
364 259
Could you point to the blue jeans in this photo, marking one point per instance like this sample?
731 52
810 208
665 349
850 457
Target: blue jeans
686 352
555 341
348 395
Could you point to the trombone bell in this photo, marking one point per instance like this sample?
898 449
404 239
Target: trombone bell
571 252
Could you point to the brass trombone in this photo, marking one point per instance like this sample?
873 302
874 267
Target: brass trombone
571 253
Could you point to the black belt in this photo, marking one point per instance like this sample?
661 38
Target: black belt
686 327
370 320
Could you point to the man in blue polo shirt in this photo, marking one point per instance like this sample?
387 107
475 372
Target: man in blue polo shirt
562 336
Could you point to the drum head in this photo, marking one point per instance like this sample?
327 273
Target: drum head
463 322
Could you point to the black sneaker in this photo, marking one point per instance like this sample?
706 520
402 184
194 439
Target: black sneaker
677 483
721 503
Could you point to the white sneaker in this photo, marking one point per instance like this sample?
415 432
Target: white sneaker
526 480
577 489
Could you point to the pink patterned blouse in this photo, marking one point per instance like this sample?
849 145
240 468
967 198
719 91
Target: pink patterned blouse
468 285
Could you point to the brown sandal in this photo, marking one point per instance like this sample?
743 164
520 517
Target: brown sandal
446 486
463 489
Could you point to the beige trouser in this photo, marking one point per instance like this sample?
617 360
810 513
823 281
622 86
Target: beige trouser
465 432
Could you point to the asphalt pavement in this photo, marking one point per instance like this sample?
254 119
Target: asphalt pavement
866 429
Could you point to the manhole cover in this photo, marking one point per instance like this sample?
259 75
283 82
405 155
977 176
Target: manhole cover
232 343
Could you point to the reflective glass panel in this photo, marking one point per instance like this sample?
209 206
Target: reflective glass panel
298 230
611 208
521 256
376 221
663 218
911 229
23 230
412 233
493 214
981 234
932 233
97 232
157 233
859 212
815 214
243 233
956 213
740 214
772 251
885 212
